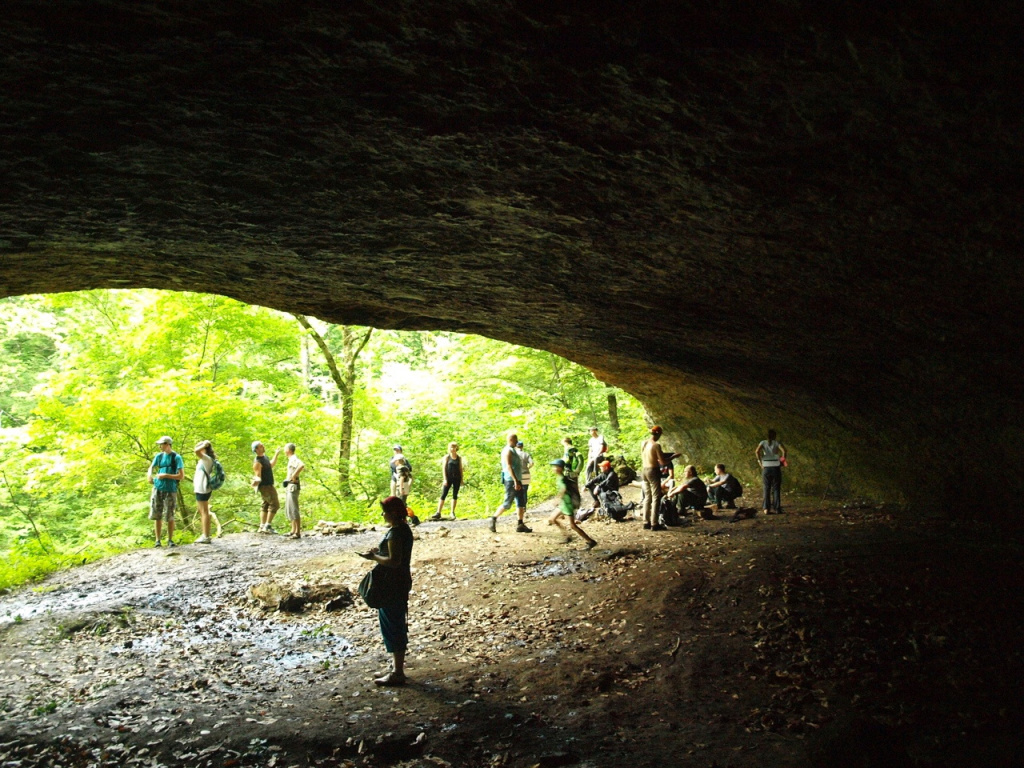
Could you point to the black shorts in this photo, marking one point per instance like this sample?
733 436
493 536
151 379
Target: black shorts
455 491
204 496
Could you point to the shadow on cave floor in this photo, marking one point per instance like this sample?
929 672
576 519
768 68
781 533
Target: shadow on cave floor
827 636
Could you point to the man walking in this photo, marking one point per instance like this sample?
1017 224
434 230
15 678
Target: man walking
526 462
653 458
263 468
291 493
512 478
166 469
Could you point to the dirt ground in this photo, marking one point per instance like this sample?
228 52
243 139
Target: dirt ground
839 636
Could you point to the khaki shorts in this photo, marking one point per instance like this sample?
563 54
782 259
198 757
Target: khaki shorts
291 502
162 505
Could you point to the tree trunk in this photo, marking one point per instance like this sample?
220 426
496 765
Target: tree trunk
613 413
344 379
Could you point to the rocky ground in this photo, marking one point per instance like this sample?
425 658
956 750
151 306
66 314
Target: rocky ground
829 635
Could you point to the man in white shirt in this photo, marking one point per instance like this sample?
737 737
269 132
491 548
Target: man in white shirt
596 446
291 494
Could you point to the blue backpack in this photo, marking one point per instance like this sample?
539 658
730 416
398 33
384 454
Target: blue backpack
214 479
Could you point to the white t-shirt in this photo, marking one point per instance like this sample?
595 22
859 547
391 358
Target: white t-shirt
770 453
294 465
594 446
201 479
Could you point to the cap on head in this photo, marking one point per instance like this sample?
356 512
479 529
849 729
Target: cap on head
558 463
519 444
393 506
594 429
397 448
255 444
164 440
656 430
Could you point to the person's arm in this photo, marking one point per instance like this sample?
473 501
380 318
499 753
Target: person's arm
394 557
257 472
782 450
759 452
444 470
273 461
149 472
294 476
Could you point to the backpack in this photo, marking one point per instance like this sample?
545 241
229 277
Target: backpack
611 503
215 479
669 511
573 462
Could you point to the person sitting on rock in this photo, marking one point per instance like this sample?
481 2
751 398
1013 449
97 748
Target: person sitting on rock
724 489
692 491
605 480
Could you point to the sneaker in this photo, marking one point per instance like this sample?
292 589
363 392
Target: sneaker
453 517
647 526
435 517
591 545
158 544
521 528
659 527
493 525
271 531
171 544
204 540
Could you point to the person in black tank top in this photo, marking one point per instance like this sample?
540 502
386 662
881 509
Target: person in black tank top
263 468
452 467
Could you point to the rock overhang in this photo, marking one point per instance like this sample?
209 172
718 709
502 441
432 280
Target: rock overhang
813 223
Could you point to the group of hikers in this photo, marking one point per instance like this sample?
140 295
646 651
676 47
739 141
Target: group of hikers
393 556
664 496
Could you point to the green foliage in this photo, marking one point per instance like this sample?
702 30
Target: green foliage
90 380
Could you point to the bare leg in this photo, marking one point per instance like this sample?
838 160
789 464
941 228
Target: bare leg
158 526
454 502
575 526
170 531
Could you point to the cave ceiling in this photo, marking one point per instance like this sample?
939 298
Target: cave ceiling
767 196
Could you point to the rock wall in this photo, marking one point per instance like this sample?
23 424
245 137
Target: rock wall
747 214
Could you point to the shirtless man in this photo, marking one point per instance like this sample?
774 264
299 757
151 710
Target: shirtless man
653 458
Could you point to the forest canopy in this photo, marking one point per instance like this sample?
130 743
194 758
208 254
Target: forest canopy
90 380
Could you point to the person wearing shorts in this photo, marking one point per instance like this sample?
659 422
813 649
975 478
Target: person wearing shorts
166 469
201 485
263 469
291 491
526 462
512 478
566 507
453 467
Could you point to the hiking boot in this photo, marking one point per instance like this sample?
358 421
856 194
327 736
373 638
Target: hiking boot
493 525
521 528
435 517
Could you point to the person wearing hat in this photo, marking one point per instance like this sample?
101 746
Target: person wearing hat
263 468
605 480
201 485
166 469
596 446
566 507
653 459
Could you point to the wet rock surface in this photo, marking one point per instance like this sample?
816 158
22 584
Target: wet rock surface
744 213
783 641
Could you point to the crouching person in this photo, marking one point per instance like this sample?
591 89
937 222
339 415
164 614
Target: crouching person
692 492
724 489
